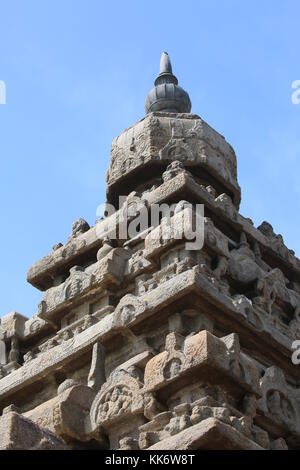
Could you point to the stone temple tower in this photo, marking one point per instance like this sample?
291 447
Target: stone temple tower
141 342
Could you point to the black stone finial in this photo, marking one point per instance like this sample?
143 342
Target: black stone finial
165 63
166 74
167 96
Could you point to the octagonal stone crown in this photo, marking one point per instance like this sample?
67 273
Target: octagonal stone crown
141 154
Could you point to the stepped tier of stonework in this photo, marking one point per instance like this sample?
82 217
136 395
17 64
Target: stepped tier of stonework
144 343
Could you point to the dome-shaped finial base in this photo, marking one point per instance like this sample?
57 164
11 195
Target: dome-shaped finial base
167 95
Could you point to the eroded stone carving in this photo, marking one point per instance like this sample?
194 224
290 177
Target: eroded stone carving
278 405
118 397
199 351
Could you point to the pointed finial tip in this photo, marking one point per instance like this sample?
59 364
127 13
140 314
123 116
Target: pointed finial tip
165 63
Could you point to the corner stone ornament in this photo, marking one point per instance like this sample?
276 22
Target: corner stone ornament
140 341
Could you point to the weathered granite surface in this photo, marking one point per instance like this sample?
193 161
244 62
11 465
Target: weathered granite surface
143 343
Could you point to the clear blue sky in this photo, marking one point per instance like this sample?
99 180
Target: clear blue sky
77 73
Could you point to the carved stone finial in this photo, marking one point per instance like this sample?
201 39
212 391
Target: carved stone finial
106 248
266 229
14 354
165 64
167 95
243 240
79 226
